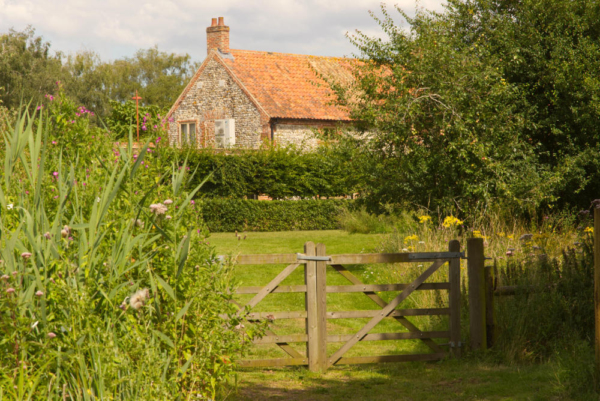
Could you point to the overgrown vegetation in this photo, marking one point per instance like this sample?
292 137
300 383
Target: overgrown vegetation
108 289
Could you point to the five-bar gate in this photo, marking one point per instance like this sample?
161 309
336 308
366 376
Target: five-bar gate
315 261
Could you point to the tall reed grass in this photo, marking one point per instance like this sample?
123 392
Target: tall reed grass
108 289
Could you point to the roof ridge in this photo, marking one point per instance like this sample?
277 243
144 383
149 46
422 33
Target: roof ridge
290 54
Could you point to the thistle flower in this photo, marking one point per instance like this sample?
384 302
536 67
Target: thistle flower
138 223
10 290
47 235
39 293
158 208
65 231
26 255
51 335
139 298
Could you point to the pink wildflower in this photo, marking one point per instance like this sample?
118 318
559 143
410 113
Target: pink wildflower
10 290
39 293
51 335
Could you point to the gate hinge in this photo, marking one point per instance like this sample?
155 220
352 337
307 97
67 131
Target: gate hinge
301 256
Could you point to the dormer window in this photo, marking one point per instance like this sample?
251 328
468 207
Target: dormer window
188 133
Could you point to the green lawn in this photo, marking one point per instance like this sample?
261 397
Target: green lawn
445 380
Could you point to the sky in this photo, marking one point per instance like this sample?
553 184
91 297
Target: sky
117 28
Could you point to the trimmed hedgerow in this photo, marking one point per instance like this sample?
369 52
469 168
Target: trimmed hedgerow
224 215
279 172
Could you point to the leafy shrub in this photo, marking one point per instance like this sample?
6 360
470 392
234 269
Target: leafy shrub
223 215
274 171
107 287
123 119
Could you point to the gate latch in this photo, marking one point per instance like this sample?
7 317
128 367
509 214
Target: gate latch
301 256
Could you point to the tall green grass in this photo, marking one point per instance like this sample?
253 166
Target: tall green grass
101 295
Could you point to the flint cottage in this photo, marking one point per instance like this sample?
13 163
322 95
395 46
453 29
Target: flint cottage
242 98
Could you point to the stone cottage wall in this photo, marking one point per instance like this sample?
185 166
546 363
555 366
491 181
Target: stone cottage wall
215 95
301 136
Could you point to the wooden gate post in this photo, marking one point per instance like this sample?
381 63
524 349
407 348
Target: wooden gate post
597 293
321 319
454 278
490 312
475 270
314 278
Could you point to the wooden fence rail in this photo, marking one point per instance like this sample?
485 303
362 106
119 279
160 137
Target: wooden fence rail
315 261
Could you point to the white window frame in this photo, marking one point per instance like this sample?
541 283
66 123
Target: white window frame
186 140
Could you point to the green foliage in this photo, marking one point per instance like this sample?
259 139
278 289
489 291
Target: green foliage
556 303
27 68
108 289
226 215
489 102
361 221
274 171
158 76
123 119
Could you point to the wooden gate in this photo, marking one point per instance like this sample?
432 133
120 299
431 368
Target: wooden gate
315 261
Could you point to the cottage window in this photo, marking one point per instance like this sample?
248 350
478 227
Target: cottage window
188 133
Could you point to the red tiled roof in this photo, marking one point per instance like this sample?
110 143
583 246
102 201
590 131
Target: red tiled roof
286 86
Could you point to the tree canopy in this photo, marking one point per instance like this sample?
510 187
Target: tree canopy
29 71
487 102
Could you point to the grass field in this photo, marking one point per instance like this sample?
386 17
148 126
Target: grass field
445 380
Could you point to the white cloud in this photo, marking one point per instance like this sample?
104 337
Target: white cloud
117 28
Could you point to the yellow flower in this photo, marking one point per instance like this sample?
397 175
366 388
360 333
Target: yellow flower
589 230
424 219
501 235
411 238
451 221
476 233
510 236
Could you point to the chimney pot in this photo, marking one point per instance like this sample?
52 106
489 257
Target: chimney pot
214 22
221 21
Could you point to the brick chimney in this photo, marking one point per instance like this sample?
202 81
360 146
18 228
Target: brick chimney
217 36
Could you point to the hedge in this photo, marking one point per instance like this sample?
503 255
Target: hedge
226 215
274 171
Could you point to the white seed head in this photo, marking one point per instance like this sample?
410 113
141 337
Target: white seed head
139 299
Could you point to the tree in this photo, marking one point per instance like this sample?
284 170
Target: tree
27 69
158 76
453 105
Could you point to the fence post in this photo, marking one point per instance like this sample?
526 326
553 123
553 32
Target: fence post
321 319
310 279
597 294
490 316
454 276
475 270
